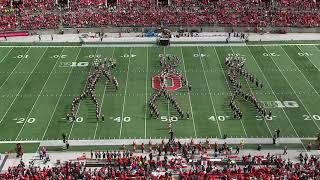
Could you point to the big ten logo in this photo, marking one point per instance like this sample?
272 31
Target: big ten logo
74 64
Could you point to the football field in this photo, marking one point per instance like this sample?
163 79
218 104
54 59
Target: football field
38 84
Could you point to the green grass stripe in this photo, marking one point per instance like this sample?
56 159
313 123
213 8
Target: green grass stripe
155 127
183 127
19 106
312 53
297 81
73 87
279 83
202 104
53 87
266 94
291 76
134 106
110 128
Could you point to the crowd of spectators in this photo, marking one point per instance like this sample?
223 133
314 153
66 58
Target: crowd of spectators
44 14
185 161
308 5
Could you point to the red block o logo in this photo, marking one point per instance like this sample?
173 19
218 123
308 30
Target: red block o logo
174 78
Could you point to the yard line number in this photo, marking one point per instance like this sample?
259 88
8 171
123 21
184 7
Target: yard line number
95 56
169 118
56 56
269 118
270 54
24 120
79 119
20 56
304 54
200 55
128 55
118 119
223 118
311 117
160 55
218 118
74 64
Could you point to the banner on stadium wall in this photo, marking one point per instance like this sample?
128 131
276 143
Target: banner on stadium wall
151 32
13 34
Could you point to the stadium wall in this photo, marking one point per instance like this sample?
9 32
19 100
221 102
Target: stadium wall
113 29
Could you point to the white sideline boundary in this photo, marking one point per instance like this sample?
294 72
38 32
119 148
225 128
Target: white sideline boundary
208 44
120 142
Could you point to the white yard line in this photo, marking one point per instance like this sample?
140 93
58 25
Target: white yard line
168 102
253 93
308 57
125 94
22 86
55 108
146 108
225 78
185 74
95 54
102 100
14 67
34 104
317 49
300 70
274 94
294 91
7 55
205 76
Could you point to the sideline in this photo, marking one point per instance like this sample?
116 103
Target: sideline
91 142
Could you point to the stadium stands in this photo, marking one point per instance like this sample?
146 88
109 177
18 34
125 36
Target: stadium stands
37 6
39 21
298 4
33 14
184 161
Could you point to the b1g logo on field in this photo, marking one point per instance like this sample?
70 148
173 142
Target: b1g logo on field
173 82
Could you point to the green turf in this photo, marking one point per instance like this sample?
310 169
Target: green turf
40 44
36 92
10 147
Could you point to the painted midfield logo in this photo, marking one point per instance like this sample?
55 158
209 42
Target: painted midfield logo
175 79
